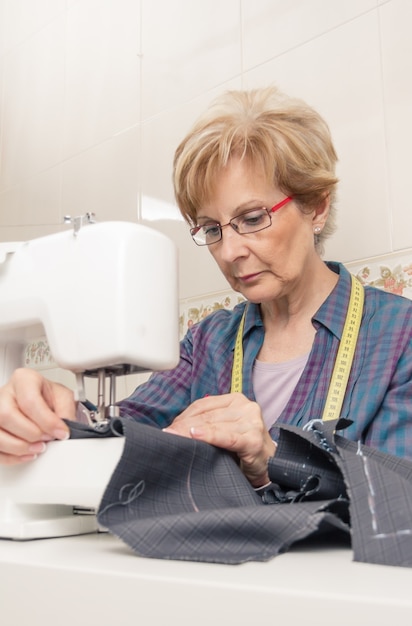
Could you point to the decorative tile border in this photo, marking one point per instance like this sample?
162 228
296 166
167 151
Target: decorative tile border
193 310
390 272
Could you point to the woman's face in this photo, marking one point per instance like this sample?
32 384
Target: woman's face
268 264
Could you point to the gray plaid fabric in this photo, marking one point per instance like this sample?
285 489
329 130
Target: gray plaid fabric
380 488
175 498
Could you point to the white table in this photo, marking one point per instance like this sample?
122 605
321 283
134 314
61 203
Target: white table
97 580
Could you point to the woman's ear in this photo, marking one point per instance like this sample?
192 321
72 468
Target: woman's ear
320 214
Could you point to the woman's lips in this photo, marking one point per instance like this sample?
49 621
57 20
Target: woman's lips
248 278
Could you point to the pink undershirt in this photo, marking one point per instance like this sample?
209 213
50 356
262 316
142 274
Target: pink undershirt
273 384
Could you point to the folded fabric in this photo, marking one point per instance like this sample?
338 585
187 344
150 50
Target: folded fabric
172 497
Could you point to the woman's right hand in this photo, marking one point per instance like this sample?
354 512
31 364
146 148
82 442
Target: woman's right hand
32 409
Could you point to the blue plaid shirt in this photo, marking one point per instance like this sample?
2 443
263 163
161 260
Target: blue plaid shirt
378 399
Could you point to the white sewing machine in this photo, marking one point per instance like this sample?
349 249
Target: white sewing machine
106 297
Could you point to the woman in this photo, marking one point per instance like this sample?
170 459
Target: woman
255 179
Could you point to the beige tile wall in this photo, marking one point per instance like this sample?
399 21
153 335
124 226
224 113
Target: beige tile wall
95 95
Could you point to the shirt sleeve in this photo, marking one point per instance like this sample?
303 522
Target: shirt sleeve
165 395
391 429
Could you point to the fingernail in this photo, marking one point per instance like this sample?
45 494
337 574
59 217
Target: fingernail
27 457
37 448
61 434
46 438
197 433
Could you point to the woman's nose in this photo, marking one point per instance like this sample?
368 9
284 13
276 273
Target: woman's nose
232 245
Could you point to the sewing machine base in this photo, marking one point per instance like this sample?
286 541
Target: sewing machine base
26 522
57 494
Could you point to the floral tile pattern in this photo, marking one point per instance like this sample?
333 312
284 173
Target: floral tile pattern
392 272
193 310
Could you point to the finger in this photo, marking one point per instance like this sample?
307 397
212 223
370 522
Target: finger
42 402
219 435
60 399
171 431
241 420
11 446
210 403
8 459
227 407
14 422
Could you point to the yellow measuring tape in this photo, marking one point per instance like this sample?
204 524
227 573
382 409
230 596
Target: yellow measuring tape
344 358
237 369
343 363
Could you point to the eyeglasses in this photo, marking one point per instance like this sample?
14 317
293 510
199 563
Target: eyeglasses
248 222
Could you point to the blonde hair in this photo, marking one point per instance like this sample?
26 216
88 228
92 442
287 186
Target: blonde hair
281 136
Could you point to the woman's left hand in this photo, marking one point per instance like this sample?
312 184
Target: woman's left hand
234 423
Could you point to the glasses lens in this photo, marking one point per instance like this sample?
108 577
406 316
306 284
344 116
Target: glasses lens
207 234
252 221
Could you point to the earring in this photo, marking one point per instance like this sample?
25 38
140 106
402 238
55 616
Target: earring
317 230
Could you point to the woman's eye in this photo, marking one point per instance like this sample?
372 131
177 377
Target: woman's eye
252 219
210 230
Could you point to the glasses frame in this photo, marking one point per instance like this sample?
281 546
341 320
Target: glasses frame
195 229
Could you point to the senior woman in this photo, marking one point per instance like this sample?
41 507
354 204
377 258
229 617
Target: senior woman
255 179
